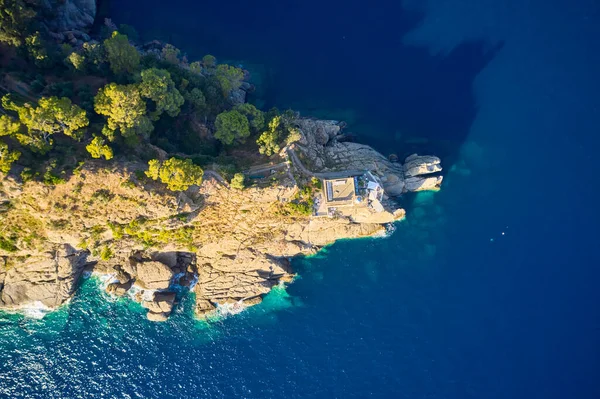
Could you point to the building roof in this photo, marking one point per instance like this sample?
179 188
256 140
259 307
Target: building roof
339 190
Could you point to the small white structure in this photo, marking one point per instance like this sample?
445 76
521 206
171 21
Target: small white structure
374 190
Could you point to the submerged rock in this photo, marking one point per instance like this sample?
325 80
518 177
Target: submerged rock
157 316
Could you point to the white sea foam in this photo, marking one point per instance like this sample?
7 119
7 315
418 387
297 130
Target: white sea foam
35 310
229 309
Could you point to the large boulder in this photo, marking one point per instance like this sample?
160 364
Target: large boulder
153 275
204 307
416 165
48 280
162 302
422 183
237 97
157 316
160 307
118 289
317 132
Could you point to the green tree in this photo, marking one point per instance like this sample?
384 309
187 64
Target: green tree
158 86
256 117
231 126
15 16
98 148
94 54
196 99
153 169
125 110
52 115
196 67
209 61
8 126
170 54
122 56
268 142
293 135
7 157
38 50
177 174
237 181
229 77
76 60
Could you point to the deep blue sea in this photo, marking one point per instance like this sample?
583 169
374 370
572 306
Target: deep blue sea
489 288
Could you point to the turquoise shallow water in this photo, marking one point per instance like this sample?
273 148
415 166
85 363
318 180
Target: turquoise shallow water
448 306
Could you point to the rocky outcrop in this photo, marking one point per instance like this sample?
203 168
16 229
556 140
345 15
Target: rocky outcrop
161 306
231 247
321 152
153 275
238 276
69 15
47 280
415 165
323 231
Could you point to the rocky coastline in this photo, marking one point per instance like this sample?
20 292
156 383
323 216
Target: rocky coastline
240 246
228 246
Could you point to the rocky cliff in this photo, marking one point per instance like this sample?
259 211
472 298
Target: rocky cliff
68 15
228 246
320 151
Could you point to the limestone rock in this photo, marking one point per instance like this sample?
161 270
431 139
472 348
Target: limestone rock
237 97
322 153
122 275
157 316
153 275
416 165
324 231
245 275
203 307
162 302
423 183
69 15
48 279
119 289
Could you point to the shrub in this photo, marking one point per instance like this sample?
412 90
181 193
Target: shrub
301 207
237 181
98 148
51 179
8 244
103 195
177 174
106 253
